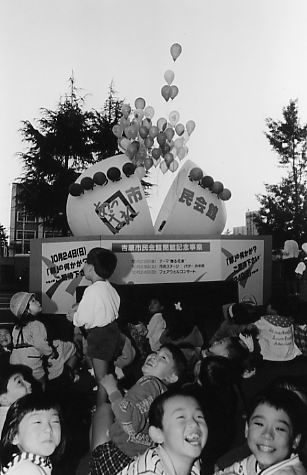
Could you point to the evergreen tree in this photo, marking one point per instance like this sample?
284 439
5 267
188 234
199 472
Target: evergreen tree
64 143
283 208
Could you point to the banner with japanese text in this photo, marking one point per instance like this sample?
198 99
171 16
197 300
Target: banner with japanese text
146 261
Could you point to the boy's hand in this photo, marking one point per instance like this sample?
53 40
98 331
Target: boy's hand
109 383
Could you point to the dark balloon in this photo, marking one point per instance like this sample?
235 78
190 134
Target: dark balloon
114 174
100 178
75 189
128 169
207 181
87 183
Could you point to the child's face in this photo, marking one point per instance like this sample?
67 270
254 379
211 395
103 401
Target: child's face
5 338
270 435
161 365
220 348
17 387
185 431
34 306
155 306
39 432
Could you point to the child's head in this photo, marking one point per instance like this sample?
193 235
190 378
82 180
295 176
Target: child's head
15 382
25 303
275 425
216 372
177 422
33 424
168 364
155 306
229 347
102 261
5 337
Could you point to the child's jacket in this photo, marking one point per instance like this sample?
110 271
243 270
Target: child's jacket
249 466
28 464
154 461
29 345
129 432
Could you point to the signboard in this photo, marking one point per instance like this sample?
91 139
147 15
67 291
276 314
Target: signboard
56 264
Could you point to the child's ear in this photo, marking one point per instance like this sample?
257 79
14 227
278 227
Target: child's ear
15 440
296 441
156 435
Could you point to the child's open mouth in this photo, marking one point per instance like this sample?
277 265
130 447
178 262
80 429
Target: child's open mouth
193 439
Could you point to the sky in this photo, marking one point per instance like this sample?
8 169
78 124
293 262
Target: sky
242 61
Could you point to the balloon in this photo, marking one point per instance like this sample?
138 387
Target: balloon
153 131
161 123
141 154
149 112
173 117
166 91
225 195
156 162
140 172
217 187
100 178
132 149
207 181
178 143
134 131
163 167
124 122
173 92
148 142
165 148
173 166
169 76
128 169
75 189
156 153
148 163
124 143
126 109
146 123
161 138
168 158
117 130
87 183
179 129
114 174
139 103
175 50
169 134
185 137
196 174
138 114
190 126
143 131
181 153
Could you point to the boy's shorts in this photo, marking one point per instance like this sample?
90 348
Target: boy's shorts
107 459
103 343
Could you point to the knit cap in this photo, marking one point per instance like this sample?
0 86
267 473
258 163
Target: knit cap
19 303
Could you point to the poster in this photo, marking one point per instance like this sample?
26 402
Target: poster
59 264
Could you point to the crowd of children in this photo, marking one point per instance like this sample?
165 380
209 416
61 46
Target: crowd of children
177 413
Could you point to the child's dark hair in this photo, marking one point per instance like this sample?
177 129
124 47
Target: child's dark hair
10 370
156 411
17 411
103 260
289 402
216 372
180 362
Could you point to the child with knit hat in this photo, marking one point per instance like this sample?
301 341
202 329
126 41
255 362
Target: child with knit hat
30 343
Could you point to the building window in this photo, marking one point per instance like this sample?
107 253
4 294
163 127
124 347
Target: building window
24 216
22 235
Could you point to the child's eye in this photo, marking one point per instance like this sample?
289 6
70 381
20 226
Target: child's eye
280 429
